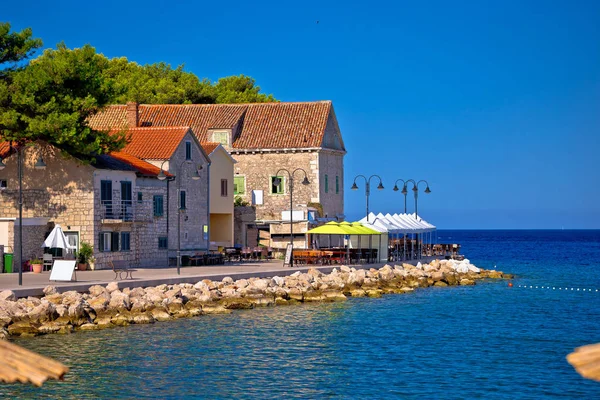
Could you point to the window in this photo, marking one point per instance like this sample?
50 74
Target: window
326 184
125 241
109 241
158 205
221 137
239 185
182 198
3 184
224 187
188 150
277 184
140 197
106 198
337 184
163 243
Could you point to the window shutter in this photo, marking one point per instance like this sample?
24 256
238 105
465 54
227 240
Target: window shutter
114 241
101 241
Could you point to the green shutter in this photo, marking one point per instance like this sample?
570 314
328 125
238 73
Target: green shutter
239 185
114 241
158 206
337 184
101 241
326 184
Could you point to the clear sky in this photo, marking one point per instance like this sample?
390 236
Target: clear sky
496 106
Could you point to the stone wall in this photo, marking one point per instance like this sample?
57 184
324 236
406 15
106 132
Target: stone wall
331 164
195 216
243 234
62 194
260 167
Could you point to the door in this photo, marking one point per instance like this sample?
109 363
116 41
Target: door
73 240
126 201
106 198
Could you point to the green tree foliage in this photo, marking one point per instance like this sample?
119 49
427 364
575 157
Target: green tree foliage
15 47
161 84
51 99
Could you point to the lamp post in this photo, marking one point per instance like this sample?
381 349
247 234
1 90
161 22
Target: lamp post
305 182
416 190
40 165
404 191
161 176
367 188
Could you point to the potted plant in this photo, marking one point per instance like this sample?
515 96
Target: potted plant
86 252
37 265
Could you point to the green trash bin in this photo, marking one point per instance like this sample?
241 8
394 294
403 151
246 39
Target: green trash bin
8 262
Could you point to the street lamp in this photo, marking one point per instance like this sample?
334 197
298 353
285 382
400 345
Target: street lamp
39 165
162 176
404 191
416 190
367 188
305 182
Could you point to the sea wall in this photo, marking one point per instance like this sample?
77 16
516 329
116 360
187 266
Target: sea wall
106 307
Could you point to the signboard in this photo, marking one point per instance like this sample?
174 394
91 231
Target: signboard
62 270
288 256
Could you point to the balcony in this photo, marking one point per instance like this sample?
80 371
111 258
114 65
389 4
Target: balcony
125 211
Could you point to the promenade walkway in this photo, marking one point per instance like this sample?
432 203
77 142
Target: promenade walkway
33 284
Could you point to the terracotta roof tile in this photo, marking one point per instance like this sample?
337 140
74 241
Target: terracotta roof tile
5 149
156 143
261 125
209 147
143 167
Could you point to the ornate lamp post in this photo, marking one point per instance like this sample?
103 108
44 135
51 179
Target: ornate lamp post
305 182
195 177
367 188
40 165
404 191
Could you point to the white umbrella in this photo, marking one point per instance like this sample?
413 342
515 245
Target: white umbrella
57 239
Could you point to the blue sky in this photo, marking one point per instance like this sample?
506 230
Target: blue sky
496 106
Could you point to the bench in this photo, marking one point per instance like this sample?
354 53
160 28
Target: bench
119 267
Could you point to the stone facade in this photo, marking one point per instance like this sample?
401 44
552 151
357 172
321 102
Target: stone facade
69 193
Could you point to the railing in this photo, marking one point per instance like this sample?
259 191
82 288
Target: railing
126 210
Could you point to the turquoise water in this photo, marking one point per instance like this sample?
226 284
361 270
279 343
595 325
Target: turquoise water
487 341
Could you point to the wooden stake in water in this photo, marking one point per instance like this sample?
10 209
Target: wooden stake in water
21 365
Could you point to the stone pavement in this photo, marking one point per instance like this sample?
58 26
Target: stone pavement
33 284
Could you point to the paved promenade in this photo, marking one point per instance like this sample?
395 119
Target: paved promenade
33 284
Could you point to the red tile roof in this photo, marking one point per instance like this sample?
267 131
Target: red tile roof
209 147
154 143
143 167
4 149
261 125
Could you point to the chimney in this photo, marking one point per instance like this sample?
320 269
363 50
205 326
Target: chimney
133 115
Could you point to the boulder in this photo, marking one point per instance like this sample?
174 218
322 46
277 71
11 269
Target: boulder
8 295
467 282
50 290
112 286
119 301
440 284
386 273
23 328
97 290
278 281
227 280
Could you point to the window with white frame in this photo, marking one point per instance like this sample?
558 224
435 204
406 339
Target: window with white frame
221 137
3 184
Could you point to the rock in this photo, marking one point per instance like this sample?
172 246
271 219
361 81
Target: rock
173 293
227 280
260 284
89 327
96 290
23 328
386 273
112 286
419 265
50 290
374 292
345 268
437 276
119 301
137 292
473 268
8 295
467 282
215 309
314 272
440 284
278 281
55 298
160 313
202 286
143 318
98 304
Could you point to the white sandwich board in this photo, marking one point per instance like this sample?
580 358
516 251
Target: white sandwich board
62 270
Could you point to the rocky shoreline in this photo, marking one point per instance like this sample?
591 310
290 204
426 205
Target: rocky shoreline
107 307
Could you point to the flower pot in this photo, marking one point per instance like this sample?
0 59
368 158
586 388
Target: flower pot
81 267
37 268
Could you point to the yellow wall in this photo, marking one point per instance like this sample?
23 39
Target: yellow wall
221 233
221 207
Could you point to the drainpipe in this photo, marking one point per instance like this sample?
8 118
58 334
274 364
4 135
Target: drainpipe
208 210
168 180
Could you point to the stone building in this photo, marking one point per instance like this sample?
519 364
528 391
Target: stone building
117 204
221 195
265 139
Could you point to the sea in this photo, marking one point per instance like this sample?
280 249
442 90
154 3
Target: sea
488 341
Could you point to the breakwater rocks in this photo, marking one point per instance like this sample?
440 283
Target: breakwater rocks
106 307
